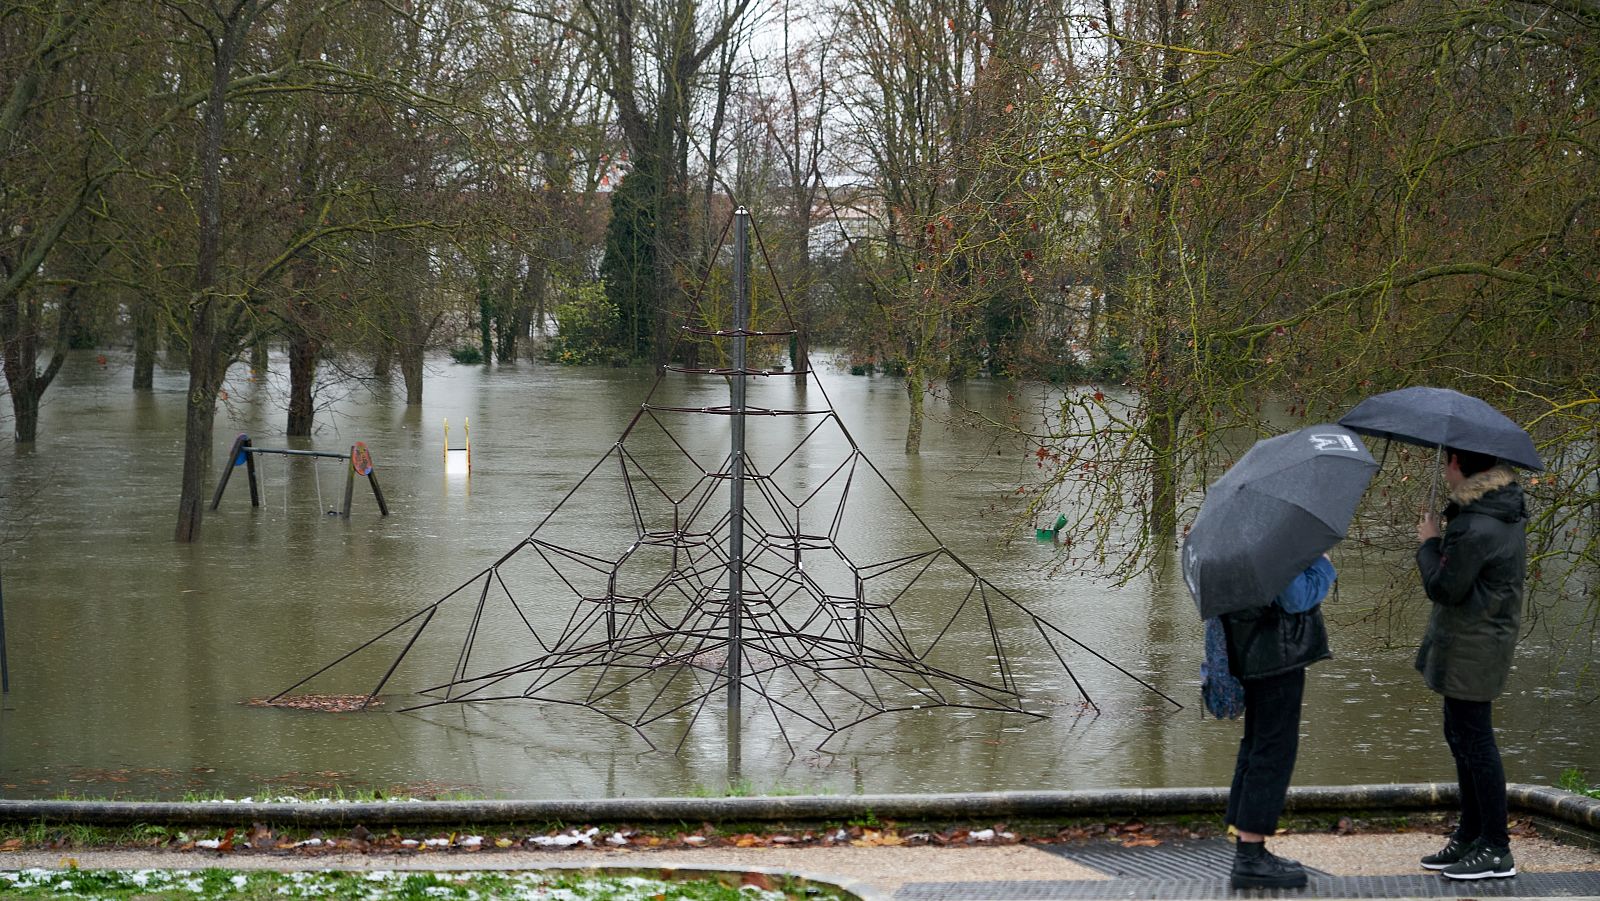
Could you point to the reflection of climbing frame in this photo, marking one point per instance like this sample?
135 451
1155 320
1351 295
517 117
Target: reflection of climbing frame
243 453
458 460
707 591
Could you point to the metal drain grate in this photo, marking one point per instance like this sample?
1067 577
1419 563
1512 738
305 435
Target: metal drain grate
1200 858
1530 885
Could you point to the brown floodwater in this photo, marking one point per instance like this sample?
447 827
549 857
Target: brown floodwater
131 657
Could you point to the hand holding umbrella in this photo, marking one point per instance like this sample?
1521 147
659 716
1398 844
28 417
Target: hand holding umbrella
1428 526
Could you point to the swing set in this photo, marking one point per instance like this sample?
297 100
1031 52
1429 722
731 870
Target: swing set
244 454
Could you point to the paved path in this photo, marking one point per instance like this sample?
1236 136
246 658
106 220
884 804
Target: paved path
1359 865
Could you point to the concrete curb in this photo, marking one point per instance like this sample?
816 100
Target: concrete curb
1557 804
973 806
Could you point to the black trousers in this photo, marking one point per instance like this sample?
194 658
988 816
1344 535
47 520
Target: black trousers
1470 734
1267 751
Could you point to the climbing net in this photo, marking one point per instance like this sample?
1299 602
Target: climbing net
827 629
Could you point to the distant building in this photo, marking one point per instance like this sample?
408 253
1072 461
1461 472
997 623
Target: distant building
843 216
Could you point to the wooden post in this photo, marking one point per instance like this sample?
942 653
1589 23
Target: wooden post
250 471
383 506
350 480
227 470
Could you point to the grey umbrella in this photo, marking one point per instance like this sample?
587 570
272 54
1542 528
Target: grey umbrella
1440 417
1288 499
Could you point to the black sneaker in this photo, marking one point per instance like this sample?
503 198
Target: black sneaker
1256 867
1452 852
1483 862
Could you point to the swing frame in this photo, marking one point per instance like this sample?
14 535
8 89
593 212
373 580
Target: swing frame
244 453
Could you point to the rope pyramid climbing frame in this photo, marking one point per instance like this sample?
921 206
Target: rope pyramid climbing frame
732 579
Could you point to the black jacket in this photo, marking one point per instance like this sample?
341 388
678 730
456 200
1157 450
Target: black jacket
1266 641
1474 576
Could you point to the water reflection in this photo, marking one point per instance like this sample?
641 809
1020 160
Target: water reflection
130 655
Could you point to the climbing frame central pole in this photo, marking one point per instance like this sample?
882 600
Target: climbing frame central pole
741 325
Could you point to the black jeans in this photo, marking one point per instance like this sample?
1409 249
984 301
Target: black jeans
1267 751
1468 730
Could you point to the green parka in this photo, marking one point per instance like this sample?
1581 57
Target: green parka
1474 575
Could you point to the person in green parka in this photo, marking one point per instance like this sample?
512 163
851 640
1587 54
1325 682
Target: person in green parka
1473 573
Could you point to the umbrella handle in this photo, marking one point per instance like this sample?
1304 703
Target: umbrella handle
1433 487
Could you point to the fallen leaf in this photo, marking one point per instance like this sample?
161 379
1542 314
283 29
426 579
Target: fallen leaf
260 836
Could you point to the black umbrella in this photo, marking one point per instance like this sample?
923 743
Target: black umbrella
1439 417
1287 500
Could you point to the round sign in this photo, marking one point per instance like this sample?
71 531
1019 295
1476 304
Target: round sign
360 459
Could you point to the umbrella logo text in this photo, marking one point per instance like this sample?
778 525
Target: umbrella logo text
1189 561
1334 442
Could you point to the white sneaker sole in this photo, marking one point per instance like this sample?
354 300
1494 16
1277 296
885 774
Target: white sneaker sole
1494 874
1434 866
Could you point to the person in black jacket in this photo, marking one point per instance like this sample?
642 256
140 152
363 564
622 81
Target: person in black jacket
1269 649
1473 573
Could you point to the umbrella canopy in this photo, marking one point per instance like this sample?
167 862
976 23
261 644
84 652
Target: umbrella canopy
1435 417
1287 500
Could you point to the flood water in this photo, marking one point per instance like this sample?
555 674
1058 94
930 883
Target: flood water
131 657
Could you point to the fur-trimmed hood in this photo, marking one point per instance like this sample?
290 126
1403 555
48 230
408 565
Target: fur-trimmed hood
1495 491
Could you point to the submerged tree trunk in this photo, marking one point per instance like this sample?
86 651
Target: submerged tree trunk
210 346
485 318
205 382
144 345
538 288
258 358
411 370
383 362
25 410
1164 409
19 356
916 392
303 351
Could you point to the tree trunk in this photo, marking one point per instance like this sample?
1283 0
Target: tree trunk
208 357
200 410
1163 408
303 351
411 371
510 321
916 392
258 358
383 363
19 356
25 409
144 346
1161 431
485 318
800 299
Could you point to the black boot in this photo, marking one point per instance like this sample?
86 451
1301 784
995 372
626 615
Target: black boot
1256 867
